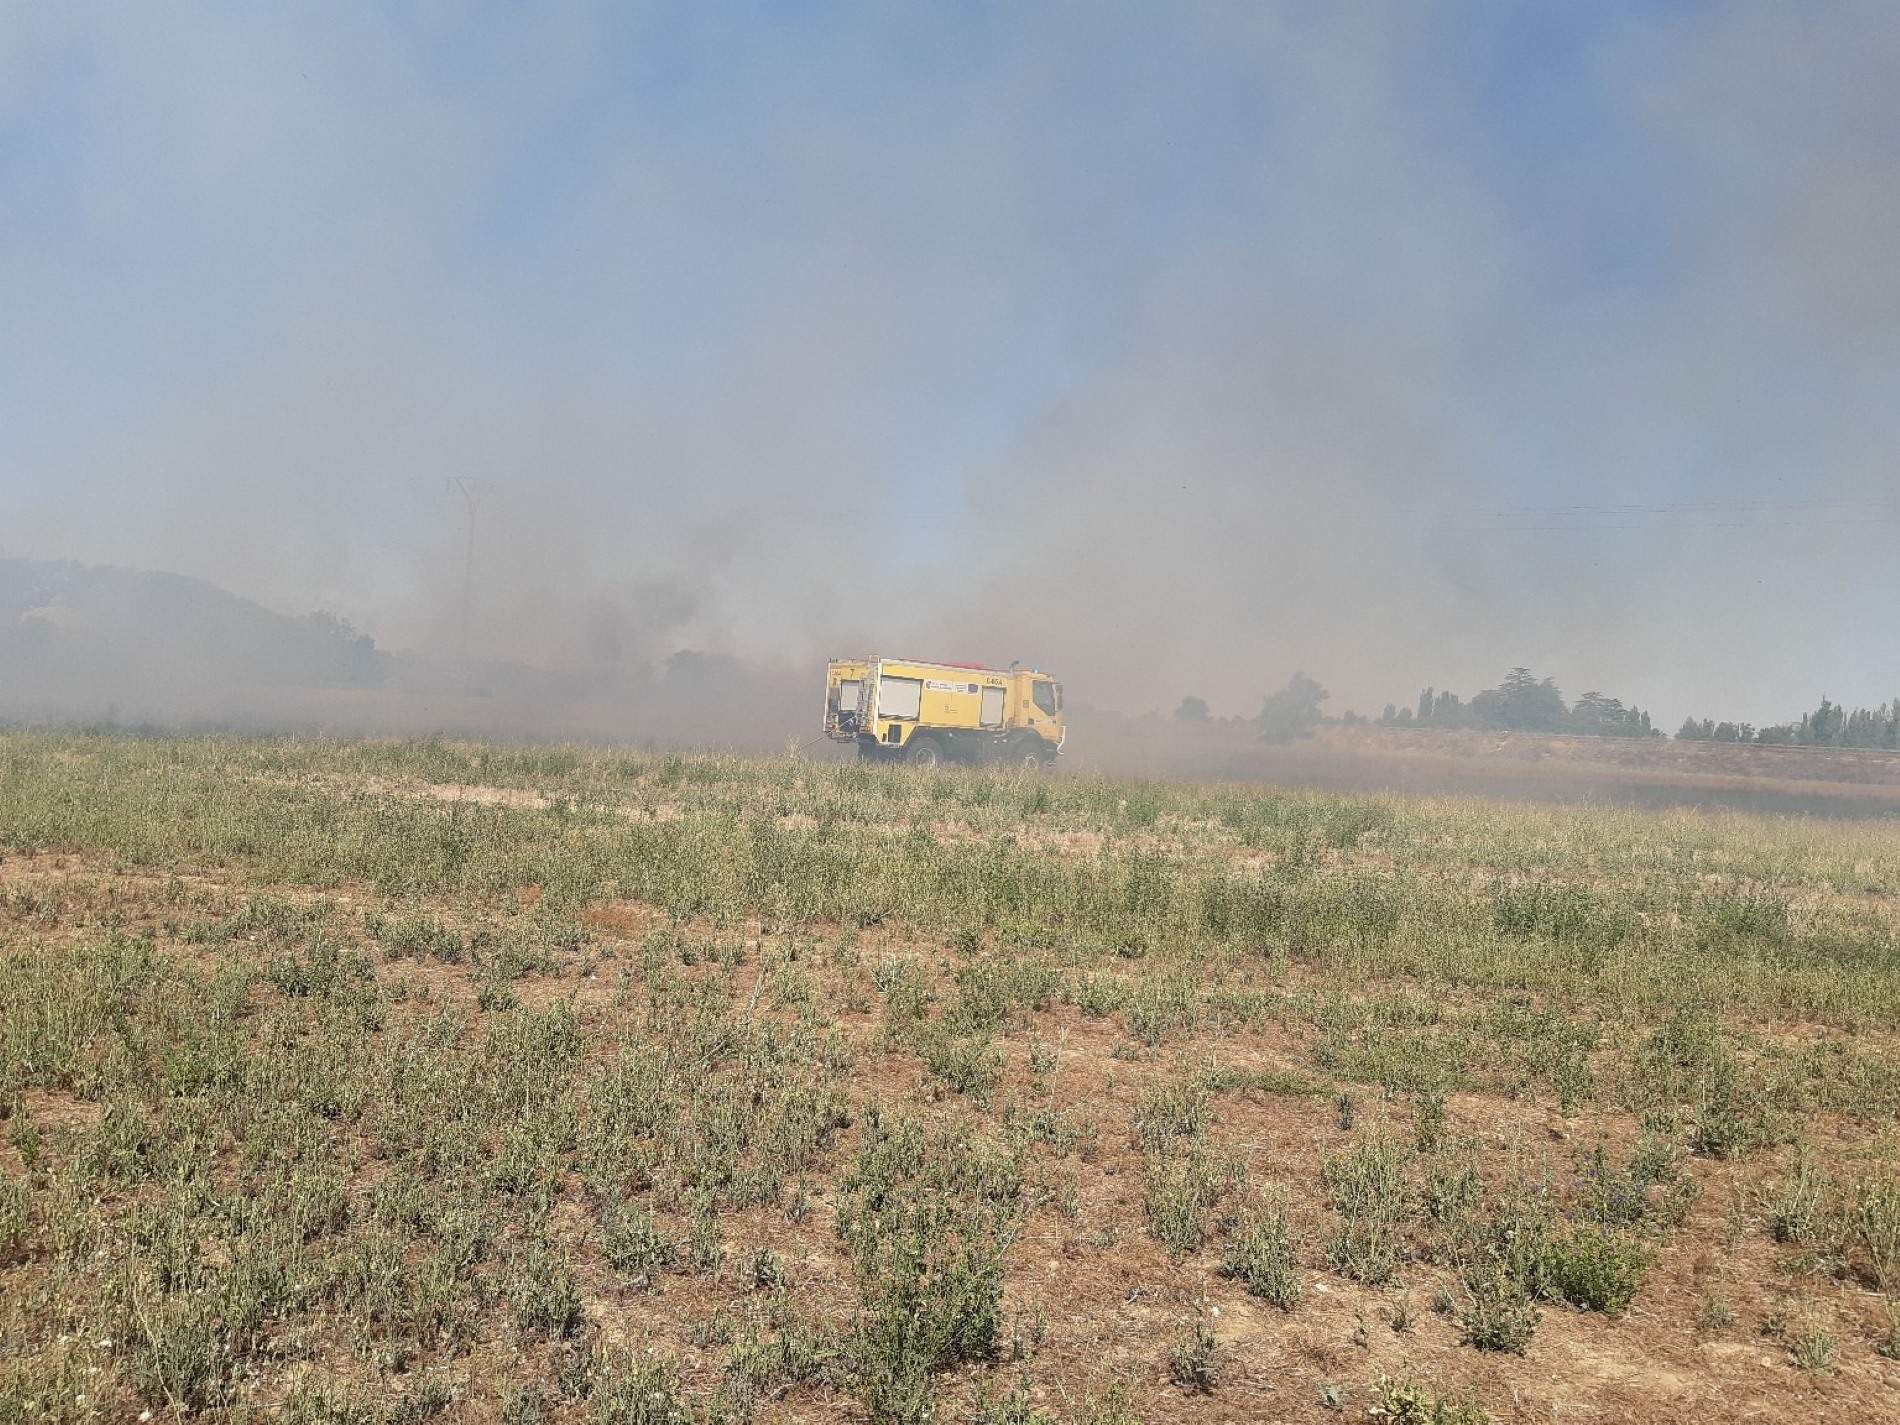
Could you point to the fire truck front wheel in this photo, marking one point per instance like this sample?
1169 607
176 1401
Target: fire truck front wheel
1028 754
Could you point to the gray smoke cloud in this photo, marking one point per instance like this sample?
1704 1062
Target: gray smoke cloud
1169 347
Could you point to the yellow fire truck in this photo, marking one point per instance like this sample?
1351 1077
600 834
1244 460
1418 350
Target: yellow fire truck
900 709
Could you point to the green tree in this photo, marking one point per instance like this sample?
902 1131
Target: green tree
1523 702
1293 711
1822 727
1449 710
1192 709
1598 715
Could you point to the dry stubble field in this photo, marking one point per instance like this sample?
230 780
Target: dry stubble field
387 1082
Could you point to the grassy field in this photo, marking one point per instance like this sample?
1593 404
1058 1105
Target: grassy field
386 1082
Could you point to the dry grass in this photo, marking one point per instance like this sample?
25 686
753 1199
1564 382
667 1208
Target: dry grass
396 1081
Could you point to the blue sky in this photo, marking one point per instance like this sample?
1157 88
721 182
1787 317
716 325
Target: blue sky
1175 346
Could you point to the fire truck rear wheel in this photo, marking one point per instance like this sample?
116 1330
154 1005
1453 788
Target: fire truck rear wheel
924 752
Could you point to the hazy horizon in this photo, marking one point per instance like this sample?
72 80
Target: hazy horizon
1171 348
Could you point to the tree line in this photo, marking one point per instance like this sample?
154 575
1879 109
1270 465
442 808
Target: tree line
1829 725
1523 702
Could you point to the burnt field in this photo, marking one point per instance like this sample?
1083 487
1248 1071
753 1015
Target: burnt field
395 1081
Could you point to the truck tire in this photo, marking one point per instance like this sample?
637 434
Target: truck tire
1026 754
924 752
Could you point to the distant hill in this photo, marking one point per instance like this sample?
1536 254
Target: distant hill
94 640
82 643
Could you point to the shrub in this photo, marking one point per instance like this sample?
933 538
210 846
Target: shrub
1591 1268
1181 1187
1453 1196
1498 1313
1622 1196
798 1354
1367 1185
1368 1180
1813 1349
927 1222
1745 914
1569 915
634 1244
1013 1409
1159 1005
1367 1249
422 937
1889 1345
180 1355
1795 1210
1260 1257
1193 1360
1428 1118
705 1242
523 1405
636 1390
1730 1120
1403 1403
970 1066
1178 1110
546 1295
14 1219
1868 1228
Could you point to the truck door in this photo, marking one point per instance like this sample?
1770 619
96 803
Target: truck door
1047 697
991 714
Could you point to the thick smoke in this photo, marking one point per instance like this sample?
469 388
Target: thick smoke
1169 347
